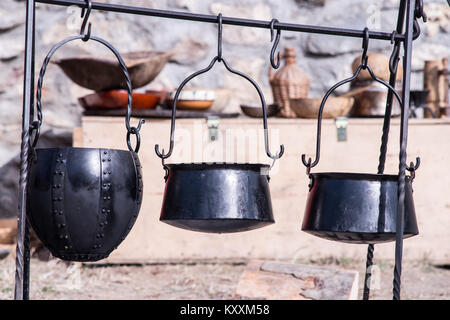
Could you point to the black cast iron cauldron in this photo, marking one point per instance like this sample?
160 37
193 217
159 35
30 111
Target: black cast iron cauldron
217 197
83 202
355 207
214 197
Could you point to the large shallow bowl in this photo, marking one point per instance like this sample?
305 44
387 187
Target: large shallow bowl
309 107
256 111
118 99
104 74
357 208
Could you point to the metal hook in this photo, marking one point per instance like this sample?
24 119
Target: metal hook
130 130
219 58
219 37
275 45
413 167
86 15
418 11
365 46
363 65
394 59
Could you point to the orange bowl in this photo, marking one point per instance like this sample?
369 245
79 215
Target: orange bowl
118 99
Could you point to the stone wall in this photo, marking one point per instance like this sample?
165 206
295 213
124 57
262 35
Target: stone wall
325 58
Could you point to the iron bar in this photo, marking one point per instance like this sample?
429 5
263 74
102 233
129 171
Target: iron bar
384 143
22 249
403 143
226 20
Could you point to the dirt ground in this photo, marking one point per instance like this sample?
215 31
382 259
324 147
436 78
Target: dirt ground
56 279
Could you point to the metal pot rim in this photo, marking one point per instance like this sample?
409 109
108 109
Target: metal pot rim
217 165
357 176
78 149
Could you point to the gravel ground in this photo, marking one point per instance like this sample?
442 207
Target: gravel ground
56 279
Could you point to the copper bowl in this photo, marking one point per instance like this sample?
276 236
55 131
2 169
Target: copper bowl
118 99
194 105
334 107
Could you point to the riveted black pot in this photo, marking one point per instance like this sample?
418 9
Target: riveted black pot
217 198
357 208
82 202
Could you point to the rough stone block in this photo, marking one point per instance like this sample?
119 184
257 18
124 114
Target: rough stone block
284 281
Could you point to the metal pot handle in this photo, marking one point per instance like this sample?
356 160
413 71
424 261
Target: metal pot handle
35 126
363 66
218 58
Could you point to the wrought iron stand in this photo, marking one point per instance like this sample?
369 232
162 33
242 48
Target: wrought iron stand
409 12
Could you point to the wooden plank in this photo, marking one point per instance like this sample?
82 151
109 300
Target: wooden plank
8 223
8 235
283 281
77 137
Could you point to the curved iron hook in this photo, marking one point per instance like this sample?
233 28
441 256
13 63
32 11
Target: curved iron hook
130 130
365 46
413 167
308 164
416 29
219 37
264 107
218 58
394 58
275 45
419 12
86 15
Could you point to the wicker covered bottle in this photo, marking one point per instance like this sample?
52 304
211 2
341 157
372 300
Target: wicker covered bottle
290 82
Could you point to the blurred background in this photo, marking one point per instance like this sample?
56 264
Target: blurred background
325 59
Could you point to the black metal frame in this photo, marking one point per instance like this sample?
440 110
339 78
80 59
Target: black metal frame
409 10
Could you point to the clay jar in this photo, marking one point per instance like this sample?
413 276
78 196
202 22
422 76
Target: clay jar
290 82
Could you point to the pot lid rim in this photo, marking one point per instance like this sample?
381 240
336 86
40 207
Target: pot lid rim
78 148
357 176
216 165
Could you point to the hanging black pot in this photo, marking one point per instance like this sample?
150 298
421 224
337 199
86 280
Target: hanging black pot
356 207
217 197
83 202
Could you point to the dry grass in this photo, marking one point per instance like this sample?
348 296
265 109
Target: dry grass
59 280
